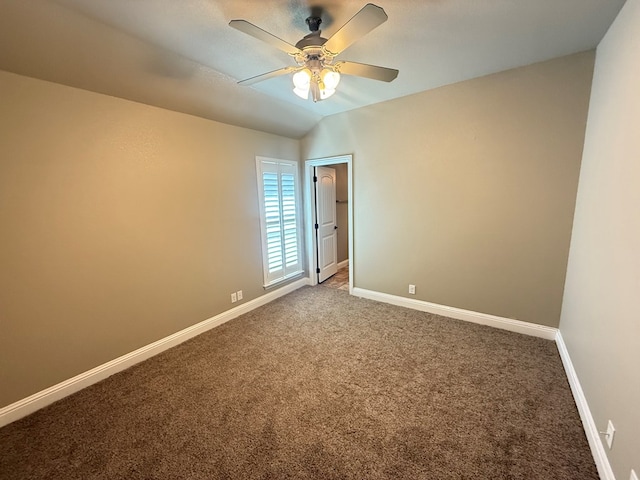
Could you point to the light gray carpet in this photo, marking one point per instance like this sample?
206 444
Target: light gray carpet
318 385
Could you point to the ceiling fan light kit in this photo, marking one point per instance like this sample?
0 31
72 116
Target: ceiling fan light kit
316 72
321 82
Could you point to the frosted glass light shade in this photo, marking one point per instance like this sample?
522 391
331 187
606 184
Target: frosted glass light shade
302 92
321 85
326 93
302 83
302 79
330 79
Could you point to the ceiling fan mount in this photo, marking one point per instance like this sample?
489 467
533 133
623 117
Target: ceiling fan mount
314 23
316 71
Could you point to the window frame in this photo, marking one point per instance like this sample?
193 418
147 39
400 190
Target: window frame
289 269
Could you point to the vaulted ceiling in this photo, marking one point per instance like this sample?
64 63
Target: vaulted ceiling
183 56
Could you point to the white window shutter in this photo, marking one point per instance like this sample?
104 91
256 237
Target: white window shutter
280 219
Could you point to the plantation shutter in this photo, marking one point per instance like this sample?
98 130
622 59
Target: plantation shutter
280 220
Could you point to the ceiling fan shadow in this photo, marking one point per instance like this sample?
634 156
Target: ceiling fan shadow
300 10
169 65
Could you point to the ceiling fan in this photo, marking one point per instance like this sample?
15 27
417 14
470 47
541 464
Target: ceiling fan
315 69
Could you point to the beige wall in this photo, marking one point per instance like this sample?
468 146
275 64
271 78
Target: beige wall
121 224
468 191
600 321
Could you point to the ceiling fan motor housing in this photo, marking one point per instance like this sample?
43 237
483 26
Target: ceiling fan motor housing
312 40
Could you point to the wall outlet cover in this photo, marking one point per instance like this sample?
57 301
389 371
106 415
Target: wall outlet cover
610 434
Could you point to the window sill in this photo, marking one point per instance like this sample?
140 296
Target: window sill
283 280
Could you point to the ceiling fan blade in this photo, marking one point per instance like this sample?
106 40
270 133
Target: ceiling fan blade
265 76
360 24
368 71
260 34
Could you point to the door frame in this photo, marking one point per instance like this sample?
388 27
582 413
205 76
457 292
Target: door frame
309 201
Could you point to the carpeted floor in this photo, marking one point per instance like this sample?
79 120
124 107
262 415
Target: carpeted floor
318 385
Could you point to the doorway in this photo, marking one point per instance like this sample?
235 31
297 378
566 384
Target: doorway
326 221
312 244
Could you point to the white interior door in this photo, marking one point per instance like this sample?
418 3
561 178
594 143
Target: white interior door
326 222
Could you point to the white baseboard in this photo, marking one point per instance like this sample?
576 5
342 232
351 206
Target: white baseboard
591 430
343 263
28 405
509 324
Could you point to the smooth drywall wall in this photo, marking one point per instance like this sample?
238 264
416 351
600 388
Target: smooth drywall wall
468 191
121 224
600 322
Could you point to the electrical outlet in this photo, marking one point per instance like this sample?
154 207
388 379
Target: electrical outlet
239 295
633 475
608 436
412 289
234 297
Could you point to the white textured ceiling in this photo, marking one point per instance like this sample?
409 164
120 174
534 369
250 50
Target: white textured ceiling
183 56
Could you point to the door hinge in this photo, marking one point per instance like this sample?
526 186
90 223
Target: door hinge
316 226
317 270
315 179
